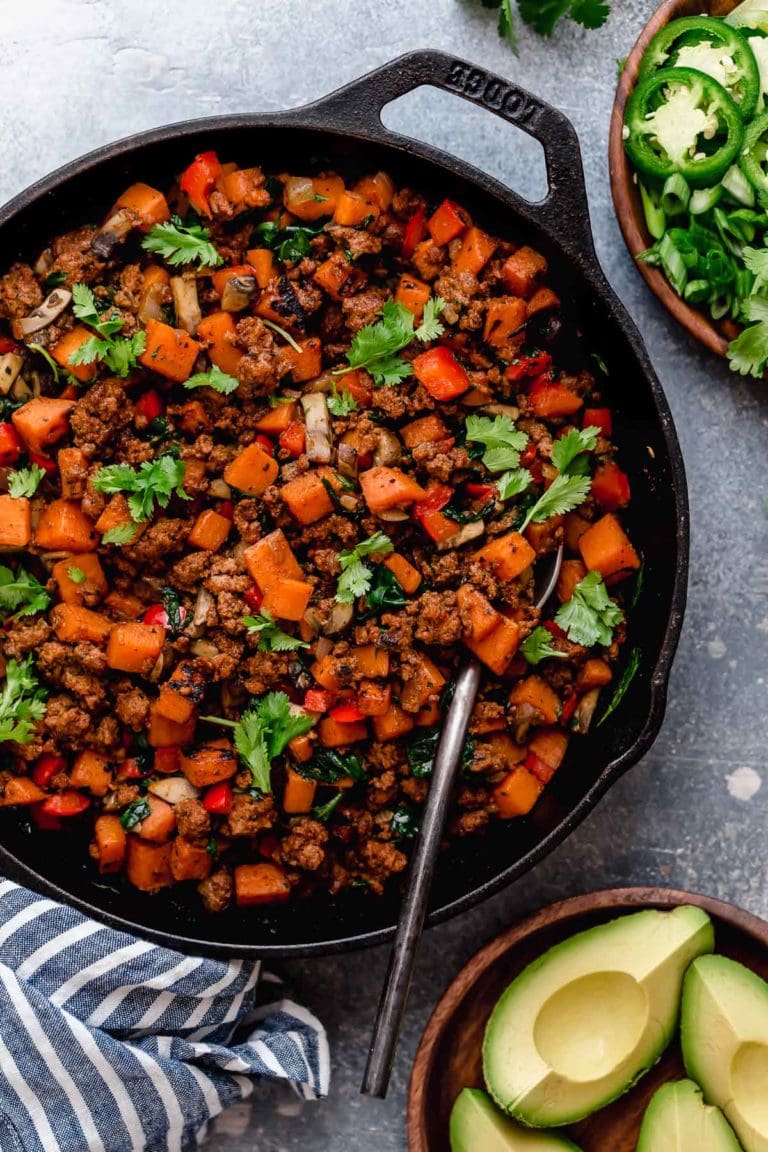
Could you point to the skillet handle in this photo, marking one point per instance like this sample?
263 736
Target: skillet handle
357 107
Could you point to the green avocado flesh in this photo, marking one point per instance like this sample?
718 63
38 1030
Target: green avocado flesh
725 1043
478 1126
678 1120
587 1019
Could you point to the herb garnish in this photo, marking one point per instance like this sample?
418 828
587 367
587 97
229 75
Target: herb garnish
76 575
544 15
569 452
538 646
341 403
376 346
54 280
323 812
136 811
263 732
154 480
503 442
590 616
328 766
120 534
563 495
626 679
385 592
422 749
25 481
213 378
356 577
22 702
182 243
21 593
290 244
120 354
405 823
271 637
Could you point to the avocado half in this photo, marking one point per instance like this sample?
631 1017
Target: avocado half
581 1024
678 1120
478 1126
725 1043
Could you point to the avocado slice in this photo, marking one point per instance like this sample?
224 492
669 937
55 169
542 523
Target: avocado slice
478 1126
725 1043
582 1023
678 1120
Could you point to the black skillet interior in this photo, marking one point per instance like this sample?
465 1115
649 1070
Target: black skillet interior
344 132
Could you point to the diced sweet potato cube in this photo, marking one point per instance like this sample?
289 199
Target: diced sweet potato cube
572 573
148 866
517 793
478 616
332 734
507 556
521 270
15 522
91 771
164 733
287 599
425 680
298 794
271 559
209 531
425 430
77 590
498 648
261 884
404 572
73 624
371 661
385 488
607 549
64 526
307 498
42 421
393 724
135 647
537 694
210 763
109 843
252 471
189 861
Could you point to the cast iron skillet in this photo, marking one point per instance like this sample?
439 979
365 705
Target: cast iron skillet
345 129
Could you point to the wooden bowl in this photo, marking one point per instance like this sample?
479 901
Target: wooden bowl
449 1056
626 196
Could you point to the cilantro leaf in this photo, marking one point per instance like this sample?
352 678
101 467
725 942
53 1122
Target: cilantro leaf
323 812
756 260
563 495
620 690
290 244
356 577
180 243
22 702
251 746
154 480
21 592
572 445
76 575
513 483
544 15
341 403
376 346
25 481
263 732
590 13
328 766
507 24
213 378
84 307
503 442
748 353
538 646
118 353
431 327
590 616
271 637
119 535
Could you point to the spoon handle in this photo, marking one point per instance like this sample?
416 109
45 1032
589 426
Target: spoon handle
397 983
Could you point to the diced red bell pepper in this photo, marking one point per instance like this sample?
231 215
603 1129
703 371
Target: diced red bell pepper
7 345
610 487
526 367
548 400
10 445
48 465
150 404
317 700
347 714
428 513
69 803
265 443
555 630
226 509
569 707
254 597
200 179
46 767
158 615
447 222
218 798
481 491
167 759
598 418
415 231
268 845
293 439
441 374
539 768
129 769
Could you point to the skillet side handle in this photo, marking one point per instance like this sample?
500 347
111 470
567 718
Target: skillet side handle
358 106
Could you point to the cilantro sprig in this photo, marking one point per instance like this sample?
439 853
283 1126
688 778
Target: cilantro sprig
25 481
563 495
22 702
290 244
377 346
213 378
569 452
271 636
356 578
21 593
590 616
544 15
179 242
153 481
119 353
341 403
538 646
263 732
502 441
120 534
76 575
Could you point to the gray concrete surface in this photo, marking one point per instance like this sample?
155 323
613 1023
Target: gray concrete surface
78 73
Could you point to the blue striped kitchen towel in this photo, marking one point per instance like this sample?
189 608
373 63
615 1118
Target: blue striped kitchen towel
111 1044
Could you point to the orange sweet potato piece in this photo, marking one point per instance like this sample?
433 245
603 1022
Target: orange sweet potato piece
64 526
380 188
393 724
498 648
173 706
109 843
116 514
91 771
209 763
426 680
507 556
332 734
171 352
182 691
505 749
541 536
218 332
147 865
307 363
271 559
426 430
521 270
277 419
385 488
73 471
83 592
371 661
262 261
543 300
517 793
135 647
593 674
475 251
164 733
324 672
352 209
298 794
221 277
404 572
20 790
147 204
209 531
478 616
536 693
287 599
373 697
607 549
189 861
548 746
261 884
326 191
72 623
15 522
160 824
307 498
69 343
429 715
332 275
504 318
572 573
412 294
252 471
42 421
301 748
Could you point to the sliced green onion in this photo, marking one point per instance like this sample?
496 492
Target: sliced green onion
703 199
655 219
743 284
696 291
673 264
675 195
737 186
719 307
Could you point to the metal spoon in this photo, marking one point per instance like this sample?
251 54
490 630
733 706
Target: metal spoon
397 983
